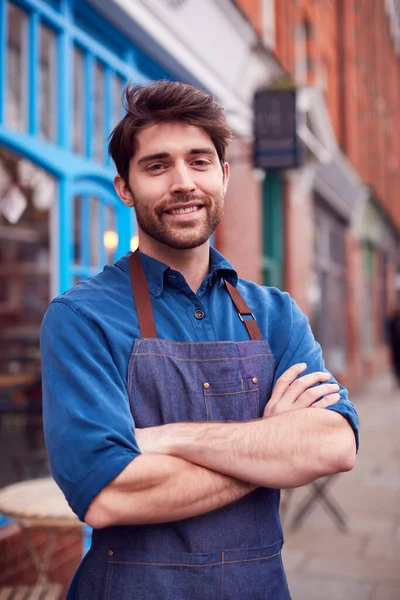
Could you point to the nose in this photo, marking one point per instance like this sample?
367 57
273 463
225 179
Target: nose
182 182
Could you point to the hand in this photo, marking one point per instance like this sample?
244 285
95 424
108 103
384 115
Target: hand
291 392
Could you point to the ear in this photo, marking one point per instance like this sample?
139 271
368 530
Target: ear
227 173
123 191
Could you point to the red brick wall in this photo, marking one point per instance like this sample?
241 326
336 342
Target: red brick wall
252 10
239 237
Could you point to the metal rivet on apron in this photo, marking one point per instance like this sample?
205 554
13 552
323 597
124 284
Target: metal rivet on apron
199 314
206 386
255 380
110 553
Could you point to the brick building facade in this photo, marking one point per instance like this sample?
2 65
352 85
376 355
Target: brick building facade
342 208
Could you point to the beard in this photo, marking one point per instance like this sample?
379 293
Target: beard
183 235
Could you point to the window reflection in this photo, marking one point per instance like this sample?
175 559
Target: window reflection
99 109
26 196
77 230
16 117
117 110
111 235
47 83
94 232
79 96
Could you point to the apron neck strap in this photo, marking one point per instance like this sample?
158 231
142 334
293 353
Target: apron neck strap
244 311
144 309
141 296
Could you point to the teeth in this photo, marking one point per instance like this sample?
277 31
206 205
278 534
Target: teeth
182 211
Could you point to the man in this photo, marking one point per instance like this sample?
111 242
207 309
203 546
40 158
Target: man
179 399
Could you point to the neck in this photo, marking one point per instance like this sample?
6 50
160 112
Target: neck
194 264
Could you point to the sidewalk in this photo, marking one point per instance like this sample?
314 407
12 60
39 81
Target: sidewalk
363 564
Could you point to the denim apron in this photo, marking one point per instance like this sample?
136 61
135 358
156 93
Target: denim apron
233 553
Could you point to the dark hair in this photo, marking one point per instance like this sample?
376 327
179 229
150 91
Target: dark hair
166 101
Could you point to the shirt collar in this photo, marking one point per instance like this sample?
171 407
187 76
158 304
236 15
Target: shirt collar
157 271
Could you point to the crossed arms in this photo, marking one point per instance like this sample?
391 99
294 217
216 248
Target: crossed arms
188 469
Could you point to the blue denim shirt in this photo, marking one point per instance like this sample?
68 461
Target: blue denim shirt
87 337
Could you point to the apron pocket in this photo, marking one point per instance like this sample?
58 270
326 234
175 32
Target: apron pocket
231 400
131 580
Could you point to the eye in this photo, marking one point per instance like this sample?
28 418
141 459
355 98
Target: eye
200 162
155 167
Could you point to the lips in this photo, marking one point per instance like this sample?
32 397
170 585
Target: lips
183 211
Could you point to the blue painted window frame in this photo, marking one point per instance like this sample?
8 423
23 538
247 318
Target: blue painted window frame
67 19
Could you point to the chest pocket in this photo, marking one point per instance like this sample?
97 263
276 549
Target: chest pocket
231 400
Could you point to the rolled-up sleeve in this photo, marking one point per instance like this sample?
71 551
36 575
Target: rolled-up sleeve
88 426
302 347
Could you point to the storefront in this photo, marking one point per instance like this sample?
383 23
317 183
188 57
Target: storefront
63 71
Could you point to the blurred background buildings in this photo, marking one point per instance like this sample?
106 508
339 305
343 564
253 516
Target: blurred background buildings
315 212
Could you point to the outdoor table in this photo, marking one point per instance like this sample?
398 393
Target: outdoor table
39 503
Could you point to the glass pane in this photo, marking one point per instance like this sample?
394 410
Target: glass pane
26 196
47 83
77 230
117 109
110 235
79 93
99 91
94 232
16 68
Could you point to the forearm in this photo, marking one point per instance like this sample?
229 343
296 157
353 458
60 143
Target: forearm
155 489
284 451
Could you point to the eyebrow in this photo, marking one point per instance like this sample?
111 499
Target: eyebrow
163 155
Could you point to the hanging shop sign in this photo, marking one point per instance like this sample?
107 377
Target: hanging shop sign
276 143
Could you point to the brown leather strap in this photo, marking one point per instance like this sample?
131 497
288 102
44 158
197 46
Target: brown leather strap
144 309
243 310
141 296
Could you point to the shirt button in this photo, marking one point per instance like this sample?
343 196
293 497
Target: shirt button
254 379
110 553
199 314
206 385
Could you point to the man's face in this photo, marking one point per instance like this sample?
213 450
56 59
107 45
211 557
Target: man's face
176 185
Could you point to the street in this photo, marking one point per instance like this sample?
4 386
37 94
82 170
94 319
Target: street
323 563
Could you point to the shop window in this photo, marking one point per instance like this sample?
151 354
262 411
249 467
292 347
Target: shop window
78 101
94 232
48 99
78 230
110 236
117 108
99 113
329 297
17 89
95 235
26 197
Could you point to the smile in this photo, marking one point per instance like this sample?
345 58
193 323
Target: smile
183 211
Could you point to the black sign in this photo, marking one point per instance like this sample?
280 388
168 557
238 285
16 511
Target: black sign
276 145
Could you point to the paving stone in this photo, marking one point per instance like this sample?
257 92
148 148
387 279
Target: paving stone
385 592
370 570
362 564
293 560
318 588
328 544
383 547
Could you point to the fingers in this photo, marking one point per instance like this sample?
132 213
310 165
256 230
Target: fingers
303 384
312 394
287 379
327 401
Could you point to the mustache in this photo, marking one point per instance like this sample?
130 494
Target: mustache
183 199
